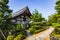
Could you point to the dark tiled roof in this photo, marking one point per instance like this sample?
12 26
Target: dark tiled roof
19 12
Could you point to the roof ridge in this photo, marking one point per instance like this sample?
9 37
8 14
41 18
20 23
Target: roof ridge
19 12
21 9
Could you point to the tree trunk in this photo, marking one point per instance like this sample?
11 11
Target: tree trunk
3 34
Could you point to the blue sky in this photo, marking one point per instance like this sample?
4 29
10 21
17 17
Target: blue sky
46 7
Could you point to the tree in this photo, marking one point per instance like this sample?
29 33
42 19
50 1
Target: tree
37 17
5 15
37 23
58 10
54 19
57 6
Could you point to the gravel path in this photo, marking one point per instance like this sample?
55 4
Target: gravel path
40 36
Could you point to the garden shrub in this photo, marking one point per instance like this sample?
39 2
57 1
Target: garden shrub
37 31
57 27
19 37
10 37
20 27
32 30
36 27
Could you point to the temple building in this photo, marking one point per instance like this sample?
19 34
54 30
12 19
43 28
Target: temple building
21 16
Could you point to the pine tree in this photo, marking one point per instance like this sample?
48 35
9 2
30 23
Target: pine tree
5 15
58 10
54 19
58 6
5 12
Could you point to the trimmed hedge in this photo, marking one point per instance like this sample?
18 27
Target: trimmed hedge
18 37
10 37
